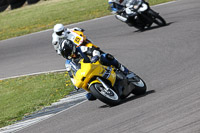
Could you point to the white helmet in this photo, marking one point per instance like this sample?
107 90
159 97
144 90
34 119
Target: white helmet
59 30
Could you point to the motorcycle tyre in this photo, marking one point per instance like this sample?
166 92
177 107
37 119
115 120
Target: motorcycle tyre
101 97
157 18
139 90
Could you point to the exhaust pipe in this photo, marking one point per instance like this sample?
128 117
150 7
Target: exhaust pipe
121 18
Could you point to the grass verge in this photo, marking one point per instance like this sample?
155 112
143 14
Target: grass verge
45 14
22 96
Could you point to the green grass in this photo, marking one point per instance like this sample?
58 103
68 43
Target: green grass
24 95
45 14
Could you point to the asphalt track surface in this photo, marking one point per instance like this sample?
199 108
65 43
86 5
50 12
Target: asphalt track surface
167 58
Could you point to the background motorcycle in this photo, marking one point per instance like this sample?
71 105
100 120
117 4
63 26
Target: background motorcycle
141 16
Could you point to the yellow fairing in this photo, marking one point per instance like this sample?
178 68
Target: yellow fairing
90 70
94 82
90 45
80 33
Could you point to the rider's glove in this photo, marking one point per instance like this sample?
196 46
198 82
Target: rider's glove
94 59
78 29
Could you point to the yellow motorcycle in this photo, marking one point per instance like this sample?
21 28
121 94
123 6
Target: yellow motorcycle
107 83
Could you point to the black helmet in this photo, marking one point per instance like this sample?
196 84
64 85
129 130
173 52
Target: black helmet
67 48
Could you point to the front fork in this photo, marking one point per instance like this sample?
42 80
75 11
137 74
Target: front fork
118 89
104 85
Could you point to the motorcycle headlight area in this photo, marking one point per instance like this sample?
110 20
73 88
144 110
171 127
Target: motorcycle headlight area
129 11
135 6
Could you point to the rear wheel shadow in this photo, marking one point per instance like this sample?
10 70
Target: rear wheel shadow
130 98
154 27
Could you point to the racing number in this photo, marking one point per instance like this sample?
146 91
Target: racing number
77 39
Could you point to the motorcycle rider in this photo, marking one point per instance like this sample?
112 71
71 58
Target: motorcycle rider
118 7
73 54
61 33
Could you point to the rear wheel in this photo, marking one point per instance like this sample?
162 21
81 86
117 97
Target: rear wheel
157 18
140 87
110 97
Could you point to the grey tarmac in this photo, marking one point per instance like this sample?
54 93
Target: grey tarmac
167 58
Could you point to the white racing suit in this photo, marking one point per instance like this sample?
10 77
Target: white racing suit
68 34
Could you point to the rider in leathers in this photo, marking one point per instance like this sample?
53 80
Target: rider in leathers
117 7
69 50
61 33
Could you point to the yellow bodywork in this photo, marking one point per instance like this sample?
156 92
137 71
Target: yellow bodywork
90 70
81 37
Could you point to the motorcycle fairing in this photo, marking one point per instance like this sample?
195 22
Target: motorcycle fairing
89 70
122 83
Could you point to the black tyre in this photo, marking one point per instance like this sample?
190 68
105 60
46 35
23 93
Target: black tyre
157 18
140 87
109 97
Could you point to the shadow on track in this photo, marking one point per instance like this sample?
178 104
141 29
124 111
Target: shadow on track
154 27
133 97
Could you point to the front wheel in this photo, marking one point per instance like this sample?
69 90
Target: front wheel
140 87
110 97
157 18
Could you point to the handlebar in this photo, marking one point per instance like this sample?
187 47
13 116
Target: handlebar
86 59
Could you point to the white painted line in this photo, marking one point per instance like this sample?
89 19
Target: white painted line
70 99
65 26
162 4
61 70
21 125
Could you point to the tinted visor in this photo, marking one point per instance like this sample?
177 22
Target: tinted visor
60 32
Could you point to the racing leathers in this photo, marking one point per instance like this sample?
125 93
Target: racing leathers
72 65
67 34
119 8
88 49
117 5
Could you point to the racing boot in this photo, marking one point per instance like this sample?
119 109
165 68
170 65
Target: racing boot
123 69
126 72
90 97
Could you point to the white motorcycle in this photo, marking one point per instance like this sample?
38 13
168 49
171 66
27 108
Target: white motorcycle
140 15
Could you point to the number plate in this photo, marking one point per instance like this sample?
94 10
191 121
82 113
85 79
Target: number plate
78 40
